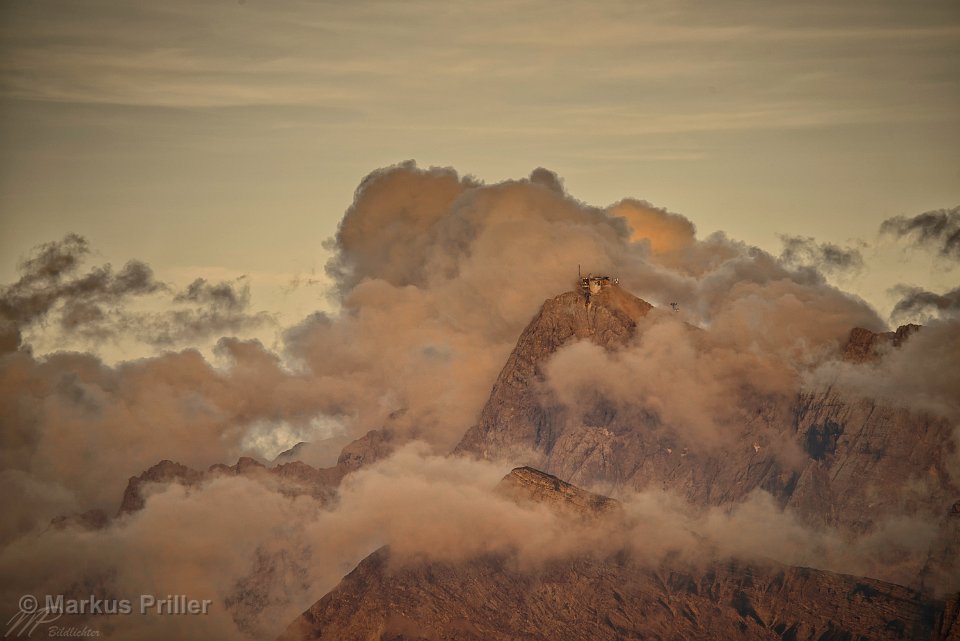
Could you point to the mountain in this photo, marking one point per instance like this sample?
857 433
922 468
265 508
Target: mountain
833 459
842 463
615 597
292 478
513 418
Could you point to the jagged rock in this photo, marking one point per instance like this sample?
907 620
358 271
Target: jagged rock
864 345
513 418
164 472
371 447
89 520
293 479
274 575
850 462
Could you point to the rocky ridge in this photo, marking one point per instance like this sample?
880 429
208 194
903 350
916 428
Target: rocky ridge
617 597
835 460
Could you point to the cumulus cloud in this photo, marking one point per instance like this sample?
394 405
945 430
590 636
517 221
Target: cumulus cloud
438 274
938 229
665 232
694 385
435 275
263 558
921 374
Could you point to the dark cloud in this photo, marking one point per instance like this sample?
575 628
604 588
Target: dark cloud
49 281
52 260
395 225
93 306
800 251
548 179
222 296
217 309
938 229
917 302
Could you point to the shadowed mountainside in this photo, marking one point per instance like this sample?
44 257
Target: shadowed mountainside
492 597
833 459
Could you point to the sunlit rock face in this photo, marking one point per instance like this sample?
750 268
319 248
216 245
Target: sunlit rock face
832 458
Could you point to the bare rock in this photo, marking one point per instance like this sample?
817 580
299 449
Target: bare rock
526 484
491 597
162 473
864 345
513 419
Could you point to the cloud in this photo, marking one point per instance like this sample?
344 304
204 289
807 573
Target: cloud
938 229
217 309
916 302
799 251
693 385
665 232
263 558
96 306
435 276
48 280
920 375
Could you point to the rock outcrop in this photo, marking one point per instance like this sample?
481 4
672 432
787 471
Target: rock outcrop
864 345
513 418
526 484
837 460
586 599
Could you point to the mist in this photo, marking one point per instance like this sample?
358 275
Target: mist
433 277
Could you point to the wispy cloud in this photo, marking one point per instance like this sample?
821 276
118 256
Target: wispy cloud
642 66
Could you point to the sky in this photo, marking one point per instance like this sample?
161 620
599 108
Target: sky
242 165
225 139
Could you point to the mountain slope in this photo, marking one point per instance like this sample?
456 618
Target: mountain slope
513 419
492 597
836 460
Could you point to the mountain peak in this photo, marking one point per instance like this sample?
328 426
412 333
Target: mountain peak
607 318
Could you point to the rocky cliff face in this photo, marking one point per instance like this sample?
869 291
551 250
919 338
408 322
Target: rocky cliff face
614 598
864 345
835 460
514 419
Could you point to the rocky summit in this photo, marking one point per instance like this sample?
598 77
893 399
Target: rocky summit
830 459
836 462
833 459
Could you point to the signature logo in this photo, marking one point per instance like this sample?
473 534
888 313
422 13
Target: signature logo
30 617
